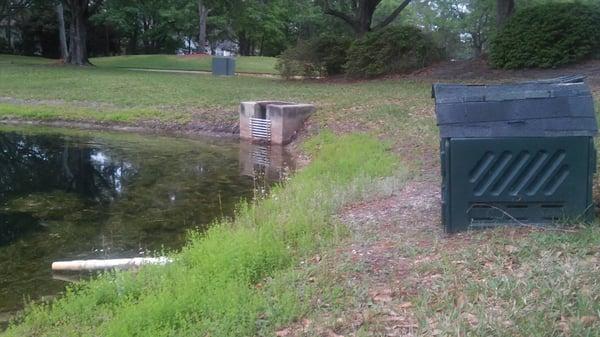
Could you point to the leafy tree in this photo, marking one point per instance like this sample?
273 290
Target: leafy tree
9 12
257 25
358 14
150 26
460 23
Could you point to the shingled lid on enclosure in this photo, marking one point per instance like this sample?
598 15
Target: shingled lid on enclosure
561 106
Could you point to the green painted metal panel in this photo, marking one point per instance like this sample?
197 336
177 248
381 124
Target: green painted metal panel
503 181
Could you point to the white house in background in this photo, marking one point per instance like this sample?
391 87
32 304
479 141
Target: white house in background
15 35
221 48
225 48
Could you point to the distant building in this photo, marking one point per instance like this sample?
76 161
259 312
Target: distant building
7 41
221 48
225 48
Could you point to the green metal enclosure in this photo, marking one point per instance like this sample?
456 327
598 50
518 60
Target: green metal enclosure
516 154
223 66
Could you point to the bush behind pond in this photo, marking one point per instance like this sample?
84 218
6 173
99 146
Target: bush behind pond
391 50
318 57
548 35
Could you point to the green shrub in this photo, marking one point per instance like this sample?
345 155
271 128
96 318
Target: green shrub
322 56
548 36
389 51
331 53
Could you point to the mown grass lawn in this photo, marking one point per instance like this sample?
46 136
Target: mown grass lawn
118 95
6 60
532 283
244 64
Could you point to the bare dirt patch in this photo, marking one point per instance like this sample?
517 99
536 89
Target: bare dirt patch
376 264
201 122
478 70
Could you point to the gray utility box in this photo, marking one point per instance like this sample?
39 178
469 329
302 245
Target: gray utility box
223 66
517 153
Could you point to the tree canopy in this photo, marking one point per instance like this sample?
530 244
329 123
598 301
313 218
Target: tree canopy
248 27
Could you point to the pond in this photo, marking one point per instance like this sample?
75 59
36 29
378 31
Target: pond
67 195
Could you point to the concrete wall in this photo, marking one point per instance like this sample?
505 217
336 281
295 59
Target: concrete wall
286 118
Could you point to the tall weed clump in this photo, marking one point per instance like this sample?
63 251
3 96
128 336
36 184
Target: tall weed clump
221 282
548 35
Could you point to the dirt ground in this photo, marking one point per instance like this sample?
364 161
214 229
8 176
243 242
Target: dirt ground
392 236
479 71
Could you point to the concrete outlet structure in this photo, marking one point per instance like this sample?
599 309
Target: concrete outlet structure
271 121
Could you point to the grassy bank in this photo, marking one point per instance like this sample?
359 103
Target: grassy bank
244 64
233 279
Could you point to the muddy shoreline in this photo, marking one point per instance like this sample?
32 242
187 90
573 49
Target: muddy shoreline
192 129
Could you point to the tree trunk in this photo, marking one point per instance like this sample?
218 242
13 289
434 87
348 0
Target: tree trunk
365 12
62 35
262 46
504 10
244 45
203 16
133 40
477 48
78 54
9 31
362 17
107 40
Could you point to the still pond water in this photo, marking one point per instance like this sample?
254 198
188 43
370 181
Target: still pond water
68 195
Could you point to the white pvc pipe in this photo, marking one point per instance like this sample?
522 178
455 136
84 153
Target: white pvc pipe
80 265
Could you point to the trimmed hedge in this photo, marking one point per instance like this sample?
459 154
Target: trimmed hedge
547 36
391 50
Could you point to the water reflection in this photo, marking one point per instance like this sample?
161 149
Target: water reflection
80 195
267 162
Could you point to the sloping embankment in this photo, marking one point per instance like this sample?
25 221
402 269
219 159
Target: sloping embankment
234 279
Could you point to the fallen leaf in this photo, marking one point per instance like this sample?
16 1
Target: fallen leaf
461 300
382 298
283 333
564 327
405 305
333 334
384 295
472 319
588 320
